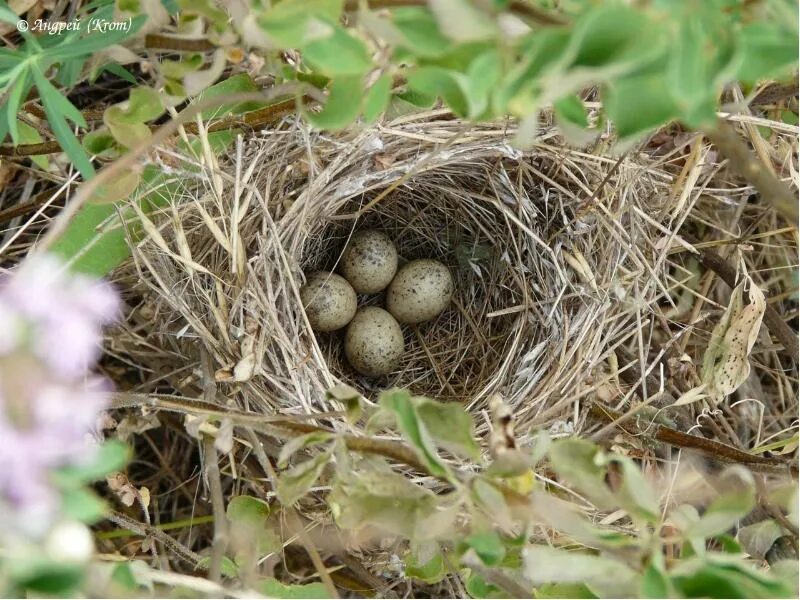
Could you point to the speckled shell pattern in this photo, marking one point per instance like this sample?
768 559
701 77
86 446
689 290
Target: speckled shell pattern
420 291
329 300
374 342
369 261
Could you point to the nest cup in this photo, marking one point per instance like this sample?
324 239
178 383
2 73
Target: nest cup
530 298
458 354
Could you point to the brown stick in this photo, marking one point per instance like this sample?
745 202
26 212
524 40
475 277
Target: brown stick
711 448
157 41
772 190
262 116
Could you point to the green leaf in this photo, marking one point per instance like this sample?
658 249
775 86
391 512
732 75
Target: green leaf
82 505
126 121
519 90
111 456
340 54
570 110
294 483
227 566
29 135
101 143
721 576
19 90
759 537
143 104
602 575
477 587
7 15
377 98
693 72
563 590
247 510
413 429
636 495
120 71
388 501
52 579
482 77
639 104
583 465
292 24
94 42
58 109
726 509
272 588
768 50
342 106
302 441
432 571
122 575
419 32
618 36
655 583
94 243
488 546
440 82
240 83
493 502
450 426
88 250
348 396
120 189
417 99
563 516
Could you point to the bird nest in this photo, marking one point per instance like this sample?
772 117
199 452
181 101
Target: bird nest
545 246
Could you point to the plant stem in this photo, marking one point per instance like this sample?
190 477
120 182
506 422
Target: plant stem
744 162
256 118
220 541
713 449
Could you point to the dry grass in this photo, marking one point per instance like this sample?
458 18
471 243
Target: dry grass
574 280
552 252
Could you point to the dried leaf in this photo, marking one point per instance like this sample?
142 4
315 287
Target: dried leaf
725 364
693 395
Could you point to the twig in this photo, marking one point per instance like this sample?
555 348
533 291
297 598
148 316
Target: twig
771 189
294 519
775 92
158 41
296 525
279 426
23 208
220 540
713 449
256 118
149 531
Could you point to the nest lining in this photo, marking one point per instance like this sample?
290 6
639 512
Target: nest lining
542 281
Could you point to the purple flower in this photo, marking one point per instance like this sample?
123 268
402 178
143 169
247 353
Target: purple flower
63 313
51 326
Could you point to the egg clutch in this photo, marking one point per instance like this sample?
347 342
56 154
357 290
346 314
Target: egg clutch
373 342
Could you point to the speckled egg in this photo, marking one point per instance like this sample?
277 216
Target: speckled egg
420 291
330 301
369 261
373 343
